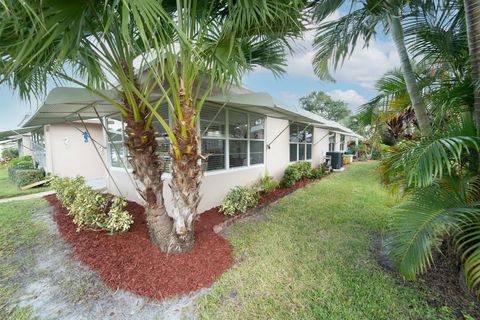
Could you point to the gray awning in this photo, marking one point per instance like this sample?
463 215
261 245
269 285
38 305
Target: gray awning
66 104
69 104
16 133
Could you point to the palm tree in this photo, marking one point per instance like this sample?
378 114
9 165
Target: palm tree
154 54
336 40
472 17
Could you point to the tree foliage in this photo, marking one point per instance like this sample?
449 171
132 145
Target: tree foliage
321 103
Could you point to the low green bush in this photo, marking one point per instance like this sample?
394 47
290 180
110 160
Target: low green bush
239 199
296 172
90 208
267 184
25 177
21 161
317 173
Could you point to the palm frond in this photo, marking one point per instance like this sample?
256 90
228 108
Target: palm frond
420 223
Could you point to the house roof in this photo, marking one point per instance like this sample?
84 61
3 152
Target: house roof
65 104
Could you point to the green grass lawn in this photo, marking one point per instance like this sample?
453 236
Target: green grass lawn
311 258
19 235
8 189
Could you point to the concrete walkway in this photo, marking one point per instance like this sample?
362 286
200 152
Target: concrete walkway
28 196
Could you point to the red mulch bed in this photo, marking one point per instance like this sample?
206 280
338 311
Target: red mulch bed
131 262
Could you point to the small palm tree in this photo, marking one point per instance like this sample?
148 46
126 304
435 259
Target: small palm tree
154 54
336 40
438 176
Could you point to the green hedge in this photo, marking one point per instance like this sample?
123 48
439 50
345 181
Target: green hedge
296 172
28 176
12 172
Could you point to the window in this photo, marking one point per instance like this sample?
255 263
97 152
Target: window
342 142
213 134
301 137
233 143
229 138
332 136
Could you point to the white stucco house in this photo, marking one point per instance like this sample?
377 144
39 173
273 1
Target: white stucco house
247 135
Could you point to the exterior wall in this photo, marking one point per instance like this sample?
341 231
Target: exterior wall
215 185
277 157
320 146
68 154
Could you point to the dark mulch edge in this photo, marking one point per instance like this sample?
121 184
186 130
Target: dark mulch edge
443 285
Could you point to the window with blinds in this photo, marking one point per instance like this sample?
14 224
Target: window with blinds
231 138
301 138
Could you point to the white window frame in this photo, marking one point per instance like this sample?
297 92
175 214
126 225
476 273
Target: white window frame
330 143
226 140
300 143
342 142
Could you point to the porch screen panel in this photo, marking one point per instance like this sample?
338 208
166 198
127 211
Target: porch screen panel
162 138
116 147
38 149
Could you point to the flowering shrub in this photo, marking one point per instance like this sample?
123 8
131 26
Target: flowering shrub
239 199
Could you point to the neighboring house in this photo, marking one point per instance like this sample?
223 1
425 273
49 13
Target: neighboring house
245 134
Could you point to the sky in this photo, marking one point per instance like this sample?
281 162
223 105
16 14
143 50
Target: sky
354 81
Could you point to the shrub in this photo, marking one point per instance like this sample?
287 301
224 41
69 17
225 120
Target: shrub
21 161
67 188
317 173
305 169
88 208
10 153
296 172
25 177
239 199
118 220
267 184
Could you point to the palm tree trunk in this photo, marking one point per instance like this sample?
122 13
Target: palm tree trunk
409 75
472 17
186 173
148 169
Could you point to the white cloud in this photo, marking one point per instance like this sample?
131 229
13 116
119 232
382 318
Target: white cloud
350 96
366 65
363 67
